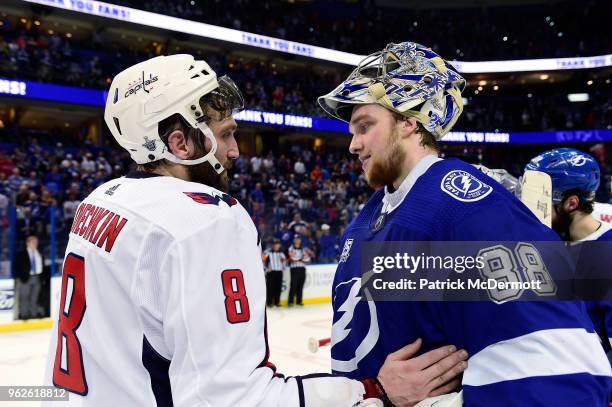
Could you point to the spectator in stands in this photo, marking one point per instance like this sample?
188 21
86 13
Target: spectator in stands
290 197
256 163
6 166
328 245
316 174
305 233
4 185
70 206
297 222
257 201
284 234
299 169
53 180
15 180
277 97
33 182
23 193
268 163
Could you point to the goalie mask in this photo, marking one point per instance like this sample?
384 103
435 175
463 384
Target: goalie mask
143 95
406 78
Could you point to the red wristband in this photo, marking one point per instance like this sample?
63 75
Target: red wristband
372 389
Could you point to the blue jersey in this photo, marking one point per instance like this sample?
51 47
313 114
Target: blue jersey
606 237
522 353
600 311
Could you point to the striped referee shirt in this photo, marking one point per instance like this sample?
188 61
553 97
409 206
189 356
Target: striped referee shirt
275 260
298 257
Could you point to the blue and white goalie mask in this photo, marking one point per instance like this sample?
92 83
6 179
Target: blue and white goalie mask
406 78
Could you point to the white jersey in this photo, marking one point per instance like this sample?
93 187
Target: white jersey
604 228
602 212
163 303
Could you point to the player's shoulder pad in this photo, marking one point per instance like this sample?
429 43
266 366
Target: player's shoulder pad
195 198
178 206
212 198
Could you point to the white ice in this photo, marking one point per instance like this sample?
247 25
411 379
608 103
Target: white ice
23 354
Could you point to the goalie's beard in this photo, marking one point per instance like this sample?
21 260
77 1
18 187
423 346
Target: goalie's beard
561 222
204 173
385 172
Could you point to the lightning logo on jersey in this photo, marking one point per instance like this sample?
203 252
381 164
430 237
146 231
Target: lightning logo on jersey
341 328
464 187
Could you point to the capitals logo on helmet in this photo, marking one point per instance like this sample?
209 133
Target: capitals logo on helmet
406 78
568 169
143 95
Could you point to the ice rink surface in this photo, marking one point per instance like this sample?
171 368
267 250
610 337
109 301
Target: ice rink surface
24 354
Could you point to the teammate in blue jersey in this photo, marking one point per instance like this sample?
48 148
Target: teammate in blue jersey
575 178
398 103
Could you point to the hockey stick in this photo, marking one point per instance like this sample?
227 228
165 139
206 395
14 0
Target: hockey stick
314 344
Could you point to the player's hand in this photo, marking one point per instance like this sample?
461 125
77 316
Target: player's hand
408 380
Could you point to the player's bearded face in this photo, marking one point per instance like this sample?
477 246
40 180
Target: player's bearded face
387 165
204 173
561 221
227 149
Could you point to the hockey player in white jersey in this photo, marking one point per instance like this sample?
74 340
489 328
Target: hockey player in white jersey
163 292
602 212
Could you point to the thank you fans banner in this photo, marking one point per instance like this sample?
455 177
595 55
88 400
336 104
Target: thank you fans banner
94 97
149 19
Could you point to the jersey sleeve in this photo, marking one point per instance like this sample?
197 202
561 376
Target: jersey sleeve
215 327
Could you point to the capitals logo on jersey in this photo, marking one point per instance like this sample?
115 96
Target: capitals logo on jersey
208 199
464 187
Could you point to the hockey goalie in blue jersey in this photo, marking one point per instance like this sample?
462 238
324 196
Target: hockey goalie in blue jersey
398 103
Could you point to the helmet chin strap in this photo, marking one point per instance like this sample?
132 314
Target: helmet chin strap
210 156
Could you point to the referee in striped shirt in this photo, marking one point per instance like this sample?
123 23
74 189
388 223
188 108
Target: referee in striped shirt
275 261
299 256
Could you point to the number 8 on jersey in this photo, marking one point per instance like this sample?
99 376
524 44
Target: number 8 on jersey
236 301
68 370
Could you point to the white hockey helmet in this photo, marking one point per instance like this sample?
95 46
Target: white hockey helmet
145 94
406 78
